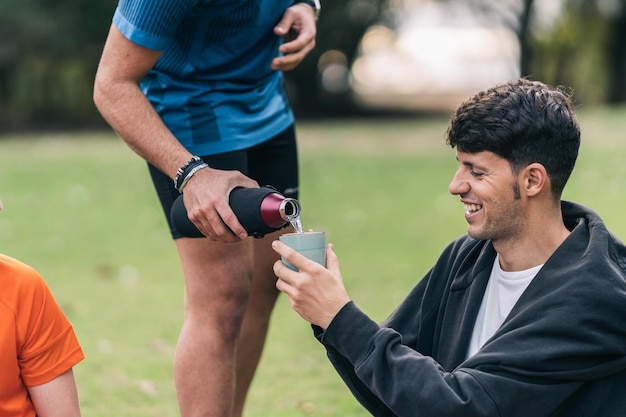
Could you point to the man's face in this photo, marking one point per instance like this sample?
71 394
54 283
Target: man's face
490 194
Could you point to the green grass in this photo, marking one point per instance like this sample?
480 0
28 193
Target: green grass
80 209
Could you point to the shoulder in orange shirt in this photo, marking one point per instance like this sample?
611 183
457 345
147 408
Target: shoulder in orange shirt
37 342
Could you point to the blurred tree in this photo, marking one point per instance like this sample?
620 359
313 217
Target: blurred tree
568 51
49 50
320 85
585 49
515 15
615 47
582 46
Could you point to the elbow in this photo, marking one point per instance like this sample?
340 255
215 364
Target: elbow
99 94
104 98
106 92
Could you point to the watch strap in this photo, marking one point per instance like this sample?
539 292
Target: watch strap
314 4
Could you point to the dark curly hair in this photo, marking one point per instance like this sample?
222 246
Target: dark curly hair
524 122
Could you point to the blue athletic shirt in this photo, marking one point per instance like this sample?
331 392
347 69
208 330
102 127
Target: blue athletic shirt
213 85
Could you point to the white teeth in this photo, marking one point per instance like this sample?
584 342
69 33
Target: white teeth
470 208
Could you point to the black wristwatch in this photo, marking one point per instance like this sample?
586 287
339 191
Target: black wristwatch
315 4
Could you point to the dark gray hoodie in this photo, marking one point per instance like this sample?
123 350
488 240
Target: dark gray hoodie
561 352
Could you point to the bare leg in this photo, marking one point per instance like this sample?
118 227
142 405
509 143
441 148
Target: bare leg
217 283
256 320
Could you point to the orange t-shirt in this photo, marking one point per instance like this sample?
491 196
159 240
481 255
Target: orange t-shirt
37 342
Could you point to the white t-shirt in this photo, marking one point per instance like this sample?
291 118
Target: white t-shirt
503 291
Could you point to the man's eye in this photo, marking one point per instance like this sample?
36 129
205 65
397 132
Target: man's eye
476 174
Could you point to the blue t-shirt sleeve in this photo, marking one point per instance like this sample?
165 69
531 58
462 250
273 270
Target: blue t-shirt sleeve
150 23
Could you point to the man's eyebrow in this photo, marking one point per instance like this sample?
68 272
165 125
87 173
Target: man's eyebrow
473 166
466 163
470 163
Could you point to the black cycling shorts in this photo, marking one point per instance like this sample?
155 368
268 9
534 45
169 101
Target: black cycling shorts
273 163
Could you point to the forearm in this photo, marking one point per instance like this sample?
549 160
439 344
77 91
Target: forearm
380 369
127 110
121 102
125 107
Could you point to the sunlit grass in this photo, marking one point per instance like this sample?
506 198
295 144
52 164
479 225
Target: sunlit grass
80 209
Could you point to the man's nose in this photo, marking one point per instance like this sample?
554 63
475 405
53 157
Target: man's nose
458 185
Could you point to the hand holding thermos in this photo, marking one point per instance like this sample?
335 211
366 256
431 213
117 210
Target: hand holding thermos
259 210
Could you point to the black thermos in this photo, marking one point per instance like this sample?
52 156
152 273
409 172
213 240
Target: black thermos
259 210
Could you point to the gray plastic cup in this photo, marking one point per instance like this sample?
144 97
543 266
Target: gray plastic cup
310 244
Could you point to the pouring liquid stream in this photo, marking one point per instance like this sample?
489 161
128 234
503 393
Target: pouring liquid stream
296 223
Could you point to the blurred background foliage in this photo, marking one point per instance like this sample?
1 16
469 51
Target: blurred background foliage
49 51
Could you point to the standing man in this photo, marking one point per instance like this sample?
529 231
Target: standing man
38 347
523 316
195 88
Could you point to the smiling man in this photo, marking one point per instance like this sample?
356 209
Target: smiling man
522 316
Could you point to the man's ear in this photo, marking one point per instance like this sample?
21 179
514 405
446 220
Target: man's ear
534 179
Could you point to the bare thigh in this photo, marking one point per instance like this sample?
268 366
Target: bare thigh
217 280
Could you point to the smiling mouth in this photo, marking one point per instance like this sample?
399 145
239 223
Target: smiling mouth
472 208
